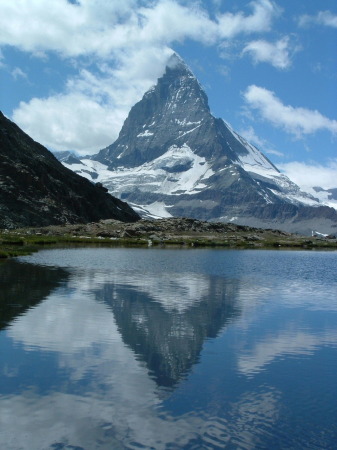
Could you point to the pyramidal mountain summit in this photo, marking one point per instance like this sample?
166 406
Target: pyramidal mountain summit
173 158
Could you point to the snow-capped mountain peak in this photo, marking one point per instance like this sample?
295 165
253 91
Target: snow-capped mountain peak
172 157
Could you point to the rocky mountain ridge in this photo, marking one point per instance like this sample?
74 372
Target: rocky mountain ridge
36 189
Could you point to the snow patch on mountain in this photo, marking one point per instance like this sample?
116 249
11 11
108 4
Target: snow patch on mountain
178 171
325 196
90 169
145 134
183 133
156 210
186 123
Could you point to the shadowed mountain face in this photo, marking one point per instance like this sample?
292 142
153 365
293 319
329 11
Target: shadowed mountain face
173 158
37 190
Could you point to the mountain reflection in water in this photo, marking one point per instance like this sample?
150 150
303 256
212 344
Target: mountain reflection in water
168 349
165 321
25 285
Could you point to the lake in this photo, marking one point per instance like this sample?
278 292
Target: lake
111 348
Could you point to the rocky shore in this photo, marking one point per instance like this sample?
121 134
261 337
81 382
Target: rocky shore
164 232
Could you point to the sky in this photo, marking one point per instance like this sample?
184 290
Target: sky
71 70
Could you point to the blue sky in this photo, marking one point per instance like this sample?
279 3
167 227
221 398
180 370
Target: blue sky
71 70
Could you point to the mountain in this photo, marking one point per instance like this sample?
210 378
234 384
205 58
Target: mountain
67 157
328 196
36 189
174 158
169 336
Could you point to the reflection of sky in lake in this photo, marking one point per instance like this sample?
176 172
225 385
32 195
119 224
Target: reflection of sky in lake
242 338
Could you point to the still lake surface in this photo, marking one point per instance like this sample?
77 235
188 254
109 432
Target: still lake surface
168 349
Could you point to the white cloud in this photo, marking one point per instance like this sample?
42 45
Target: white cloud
262 144
18 73
69 29
278 54
325 18
90 113
72 121
308 175
251 136
261 19
99 27
296 121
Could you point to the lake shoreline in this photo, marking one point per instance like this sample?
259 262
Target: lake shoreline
172 232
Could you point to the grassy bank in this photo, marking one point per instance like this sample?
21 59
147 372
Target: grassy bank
11 246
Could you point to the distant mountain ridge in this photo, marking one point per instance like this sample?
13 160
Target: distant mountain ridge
36 189
327 196
173 158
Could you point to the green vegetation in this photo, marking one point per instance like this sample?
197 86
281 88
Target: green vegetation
8 250
11 246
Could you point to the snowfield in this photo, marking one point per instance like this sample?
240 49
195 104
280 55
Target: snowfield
165 174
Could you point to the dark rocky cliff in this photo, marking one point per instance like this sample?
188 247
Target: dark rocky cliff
36 189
